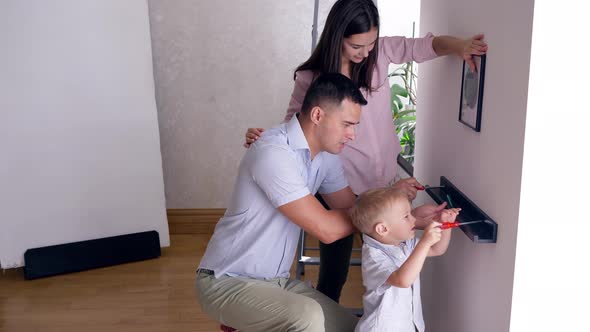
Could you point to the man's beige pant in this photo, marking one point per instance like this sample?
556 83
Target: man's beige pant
270 305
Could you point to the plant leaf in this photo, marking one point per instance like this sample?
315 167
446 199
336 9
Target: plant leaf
398 90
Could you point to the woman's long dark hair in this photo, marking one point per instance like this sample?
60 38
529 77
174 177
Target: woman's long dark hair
346 18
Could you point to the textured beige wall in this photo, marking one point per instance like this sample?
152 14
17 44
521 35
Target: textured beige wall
473 282
220 67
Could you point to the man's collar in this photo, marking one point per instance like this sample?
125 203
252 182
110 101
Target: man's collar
295 134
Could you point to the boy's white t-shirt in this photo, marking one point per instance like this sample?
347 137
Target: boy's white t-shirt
386 307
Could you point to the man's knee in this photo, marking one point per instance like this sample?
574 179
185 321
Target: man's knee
308 317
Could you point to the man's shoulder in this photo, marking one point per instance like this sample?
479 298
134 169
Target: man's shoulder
272 139
272 148
328 157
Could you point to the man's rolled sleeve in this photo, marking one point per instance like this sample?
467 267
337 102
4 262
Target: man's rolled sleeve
274 170
335 179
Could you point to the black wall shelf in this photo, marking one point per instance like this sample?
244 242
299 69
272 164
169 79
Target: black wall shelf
485 231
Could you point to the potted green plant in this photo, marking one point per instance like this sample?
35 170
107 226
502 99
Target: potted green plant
403 109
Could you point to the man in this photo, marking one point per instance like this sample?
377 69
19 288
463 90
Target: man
243 278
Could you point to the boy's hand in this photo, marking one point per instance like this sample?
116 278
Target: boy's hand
432 234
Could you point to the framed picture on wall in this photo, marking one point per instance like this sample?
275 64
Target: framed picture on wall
472 93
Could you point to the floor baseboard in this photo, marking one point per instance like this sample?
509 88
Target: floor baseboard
193 221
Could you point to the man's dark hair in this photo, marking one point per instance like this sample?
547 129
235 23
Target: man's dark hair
330 90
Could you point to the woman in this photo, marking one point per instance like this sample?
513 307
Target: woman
350 45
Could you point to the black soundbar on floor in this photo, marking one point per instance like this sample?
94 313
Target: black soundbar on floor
91 254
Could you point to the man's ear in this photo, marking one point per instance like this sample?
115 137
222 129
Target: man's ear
381 228
316 114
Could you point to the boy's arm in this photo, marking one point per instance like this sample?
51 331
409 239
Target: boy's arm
441 246
405 276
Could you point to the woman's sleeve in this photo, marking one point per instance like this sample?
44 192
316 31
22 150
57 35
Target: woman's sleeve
401 49
302 83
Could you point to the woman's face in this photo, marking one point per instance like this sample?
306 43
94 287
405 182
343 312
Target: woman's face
357 47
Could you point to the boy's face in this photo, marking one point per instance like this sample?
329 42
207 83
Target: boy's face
398 223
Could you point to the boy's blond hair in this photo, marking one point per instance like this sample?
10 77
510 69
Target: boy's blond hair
371 204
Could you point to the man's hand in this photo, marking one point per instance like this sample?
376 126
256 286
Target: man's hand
408 186
448 215
427 213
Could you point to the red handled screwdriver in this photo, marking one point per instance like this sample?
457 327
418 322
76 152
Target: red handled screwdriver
447 225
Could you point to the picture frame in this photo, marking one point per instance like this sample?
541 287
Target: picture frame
471 101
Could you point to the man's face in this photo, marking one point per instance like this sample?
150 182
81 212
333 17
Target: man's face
338 126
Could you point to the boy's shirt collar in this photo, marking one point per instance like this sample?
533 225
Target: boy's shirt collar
390 249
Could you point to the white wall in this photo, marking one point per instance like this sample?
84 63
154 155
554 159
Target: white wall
221 67
397 18
470 287
78 131
551 288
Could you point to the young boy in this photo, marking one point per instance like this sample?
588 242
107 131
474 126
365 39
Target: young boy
392 259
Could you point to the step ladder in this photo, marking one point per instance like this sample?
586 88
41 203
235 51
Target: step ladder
303 260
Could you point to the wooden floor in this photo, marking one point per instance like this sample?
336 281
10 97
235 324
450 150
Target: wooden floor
154 295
